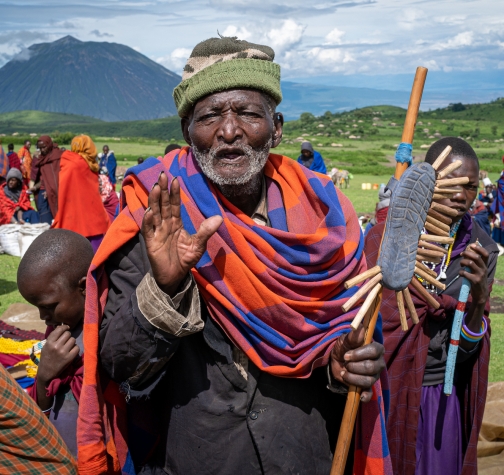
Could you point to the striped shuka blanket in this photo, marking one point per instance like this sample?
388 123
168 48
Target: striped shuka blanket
277 292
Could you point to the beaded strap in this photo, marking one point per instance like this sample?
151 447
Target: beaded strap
456 332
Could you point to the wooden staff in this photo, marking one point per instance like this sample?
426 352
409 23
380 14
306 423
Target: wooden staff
353 398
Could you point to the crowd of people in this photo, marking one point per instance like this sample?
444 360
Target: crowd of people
201 329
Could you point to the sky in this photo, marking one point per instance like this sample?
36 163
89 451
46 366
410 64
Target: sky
311 38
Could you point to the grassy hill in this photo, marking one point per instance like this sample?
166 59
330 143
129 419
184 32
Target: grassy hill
39 123
362 140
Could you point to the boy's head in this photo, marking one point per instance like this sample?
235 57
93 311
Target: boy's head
52 276
10 147
461 150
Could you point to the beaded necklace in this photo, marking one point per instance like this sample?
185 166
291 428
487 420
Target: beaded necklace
447 257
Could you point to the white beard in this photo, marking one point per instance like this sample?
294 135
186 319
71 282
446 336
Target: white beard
248 181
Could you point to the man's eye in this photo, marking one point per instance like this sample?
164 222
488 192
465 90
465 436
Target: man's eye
210 115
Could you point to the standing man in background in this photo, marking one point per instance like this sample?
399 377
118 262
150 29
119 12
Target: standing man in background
311 159
26 161
108 161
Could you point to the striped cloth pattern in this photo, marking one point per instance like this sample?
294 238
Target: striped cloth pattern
29 443
276 292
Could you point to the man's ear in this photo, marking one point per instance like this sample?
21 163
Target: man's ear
185 123
82 285
278 121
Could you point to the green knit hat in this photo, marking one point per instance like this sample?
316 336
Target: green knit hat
218 64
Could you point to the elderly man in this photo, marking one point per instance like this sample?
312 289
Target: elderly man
215 298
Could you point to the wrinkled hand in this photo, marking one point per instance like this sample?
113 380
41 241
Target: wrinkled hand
476 259
172 251
58 352
354 364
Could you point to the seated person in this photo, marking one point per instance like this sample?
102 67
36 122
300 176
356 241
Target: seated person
29 444
447 427
58 290
15 204
311 158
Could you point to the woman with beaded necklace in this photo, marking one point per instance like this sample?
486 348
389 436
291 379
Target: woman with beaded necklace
429 432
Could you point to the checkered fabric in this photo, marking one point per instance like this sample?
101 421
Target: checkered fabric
29 443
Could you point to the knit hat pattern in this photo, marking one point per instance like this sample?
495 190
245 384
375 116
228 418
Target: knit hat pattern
218 64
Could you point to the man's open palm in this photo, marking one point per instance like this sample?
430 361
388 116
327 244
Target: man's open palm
172 251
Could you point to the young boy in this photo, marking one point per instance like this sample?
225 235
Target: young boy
429 432
52 276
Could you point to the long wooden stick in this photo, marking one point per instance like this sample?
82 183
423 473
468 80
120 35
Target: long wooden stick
353 399
362 277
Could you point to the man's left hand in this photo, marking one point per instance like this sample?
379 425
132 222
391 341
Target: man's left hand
354 364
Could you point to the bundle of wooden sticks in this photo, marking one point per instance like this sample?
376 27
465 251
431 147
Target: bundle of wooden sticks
438 221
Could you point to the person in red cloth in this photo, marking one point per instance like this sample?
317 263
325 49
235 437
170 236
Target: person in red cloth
428 431
26 161
80 208
58 290
45 176
15 205
14 161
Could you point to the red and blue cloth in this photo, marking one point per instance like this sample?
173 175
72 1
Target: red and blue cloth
276 291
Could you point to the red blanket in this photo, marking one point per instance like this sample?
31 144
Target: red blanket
80 208
8 206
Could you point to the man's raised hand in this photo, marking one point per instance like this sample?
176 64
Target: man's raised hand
172 251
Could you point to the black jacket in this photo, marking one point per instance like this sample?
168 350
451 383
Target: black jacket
210 419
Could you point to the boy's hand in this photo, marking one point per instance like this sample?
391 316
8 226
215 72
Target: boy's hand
352 363
59 351
476 259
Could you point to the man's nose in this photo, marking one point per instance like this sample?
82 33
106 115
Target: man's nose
230 129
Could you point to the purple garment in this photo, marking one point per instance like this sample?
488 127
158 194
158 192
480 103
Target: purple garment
96 241
439 435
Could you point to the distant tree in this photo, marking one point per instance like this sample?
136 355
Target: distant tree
494 130
328 115
458 107
306 118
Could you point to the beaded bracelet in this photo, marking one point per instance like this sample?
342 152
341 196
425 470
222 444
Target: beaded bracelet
468 335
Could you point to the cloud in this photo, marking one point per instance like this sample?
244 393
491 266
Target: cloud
176 60
100 34
334 37
459 41
242 33
287 36
23 55
410 18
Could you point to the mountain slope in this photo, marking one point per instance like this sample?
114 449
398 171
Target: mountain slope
107 81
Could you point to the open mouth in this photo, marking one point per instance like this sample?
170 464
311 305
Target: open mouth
230 154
